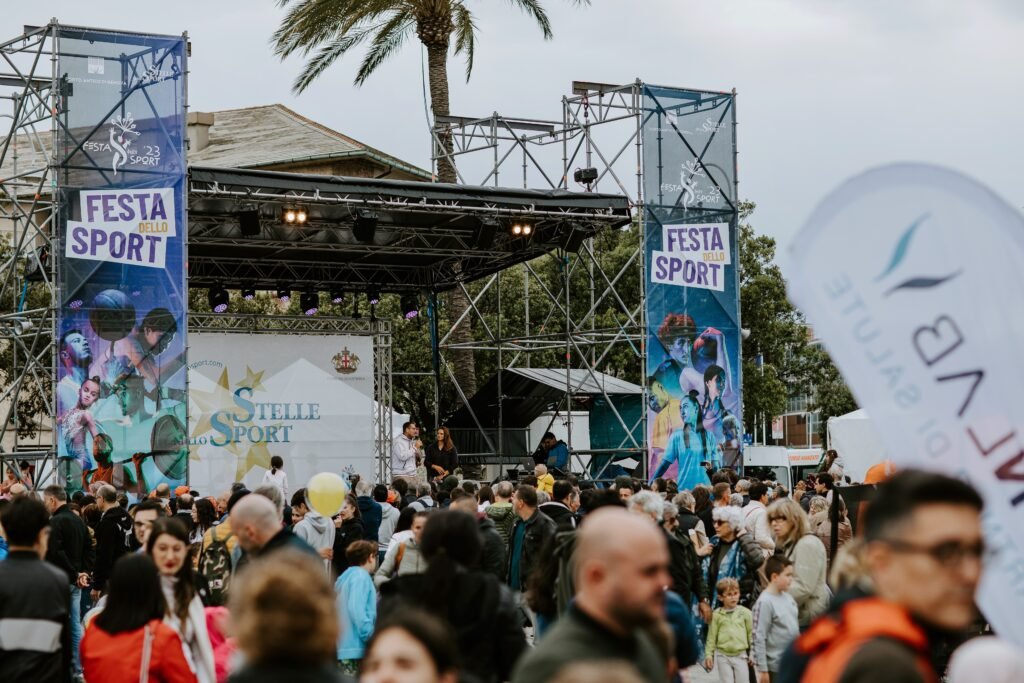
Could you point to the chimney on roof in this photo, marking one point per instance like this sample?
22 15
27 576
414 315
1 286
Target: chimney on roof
198 128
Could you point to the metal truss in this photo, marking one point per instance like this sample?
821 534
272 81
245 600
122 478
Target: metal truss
429 236
379 330
600 128
600 131
29 103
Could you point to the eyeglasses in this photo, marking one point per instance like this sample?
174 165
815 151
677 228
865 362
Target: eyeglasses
950 554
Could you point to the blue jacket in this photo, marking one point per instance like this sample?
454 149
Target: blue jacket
357 611
370 513
558 456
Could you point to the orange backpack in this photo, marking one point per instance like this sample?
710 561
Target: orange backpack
833 640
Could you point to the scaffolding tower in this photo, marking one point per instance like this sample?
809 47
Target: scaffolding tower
31 99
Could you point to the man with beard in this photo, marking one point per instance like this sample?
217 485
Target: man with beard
75 356
621 573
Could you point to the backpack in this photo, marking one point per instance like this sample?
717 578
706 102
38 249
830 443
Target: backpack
215 566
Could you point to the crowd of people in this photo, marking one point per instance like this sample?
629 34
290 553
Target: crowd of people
439 579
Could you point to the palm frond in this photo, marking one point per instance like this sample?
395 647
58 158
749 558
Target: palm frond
313 23
534 9
389 39
465 35
327 55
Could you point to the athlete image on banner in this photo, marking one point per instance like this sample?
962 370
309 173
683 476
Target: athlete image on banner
693 336
120 394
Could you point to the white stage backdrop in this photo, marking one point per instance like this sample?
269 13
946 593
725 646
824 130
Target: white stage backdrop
308 399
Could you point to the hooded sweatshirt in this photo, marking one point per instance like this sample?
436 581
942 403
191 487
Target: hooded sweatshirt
317 531
388 521
504 517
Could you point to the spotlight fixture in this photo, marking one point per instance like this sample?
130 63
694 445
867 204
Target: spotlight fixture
410 306
300 216
248 293
289 215
310 301
75 304
249 222
585 176
364 227
337 296
373 295
521 229
218 299
284 294
37 263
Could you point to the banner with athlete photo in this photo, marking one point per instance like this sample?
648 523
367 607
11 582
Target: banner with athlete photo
693 332
908 274
121 401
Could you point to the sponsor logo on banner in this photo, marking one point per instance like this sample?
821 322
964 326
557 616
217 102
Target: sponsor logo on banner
908 274
345 362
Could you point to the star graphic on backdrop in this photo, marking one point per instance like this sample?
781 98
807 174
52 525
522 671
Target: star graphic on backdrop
211 402
253 380
257 456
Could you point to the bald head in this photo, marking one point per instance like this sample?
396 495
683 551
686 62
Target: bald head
254 521
621 568
609 533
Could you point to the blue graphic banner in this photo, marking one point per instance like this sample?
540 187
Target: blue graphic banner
693 329
121 401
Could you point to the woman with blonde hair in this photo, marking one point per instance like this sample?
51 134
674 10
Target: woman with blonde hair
284 617
795 541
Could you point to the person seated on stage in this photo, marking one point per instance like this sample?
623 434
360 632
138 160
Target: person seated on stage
552 452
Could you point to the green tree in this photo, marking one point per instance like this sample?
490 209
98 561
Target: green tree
325 30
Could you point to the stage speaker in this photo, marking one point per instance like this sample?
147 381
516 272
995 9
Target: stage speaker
364 227
249 222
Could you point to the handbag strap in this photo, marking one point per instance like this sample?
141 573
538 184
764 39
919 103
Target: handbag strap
147 653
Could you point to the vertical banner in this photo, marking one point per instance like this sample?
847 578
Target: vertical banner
910 274
692 307
121 401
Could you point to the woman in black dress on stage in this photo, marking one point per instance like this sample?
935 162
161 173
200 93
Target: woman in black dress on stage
442 458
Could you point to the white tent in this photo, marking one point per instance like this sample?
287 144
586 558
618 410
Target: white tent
853 437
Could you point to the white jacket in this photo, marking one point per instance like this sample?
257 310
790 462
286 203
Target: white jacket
280 480
755 520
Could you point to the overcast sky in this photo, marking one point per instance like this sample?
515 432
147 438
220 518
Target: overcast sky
826 88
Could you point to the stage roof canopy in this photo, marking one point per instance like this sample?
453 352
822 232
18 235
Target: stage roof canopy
526 393
426 236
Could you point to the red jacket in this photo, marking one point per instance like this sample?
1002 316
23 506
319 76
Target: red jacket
118 658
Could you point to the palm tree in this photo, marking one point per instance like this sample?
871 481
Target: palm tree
324 30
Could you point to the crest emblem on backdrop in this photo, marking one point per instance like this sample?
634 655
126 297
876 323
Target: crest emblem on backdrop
345 362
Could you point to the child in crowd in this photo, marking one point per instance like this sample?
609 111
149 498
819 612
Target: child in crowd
775 618
545 482
357 604
729 636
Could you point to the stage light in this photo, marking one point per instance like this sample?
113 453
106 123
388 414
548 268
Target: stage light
310 302
249 222
585 176
284 294
486 232
249 293
521 229
337 296
364 227
300 216
410 306
289 215
75 304
373 295
218 299
36 264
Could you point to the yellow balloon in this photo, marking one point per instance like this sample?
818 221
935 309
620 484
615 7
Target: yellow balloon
326 493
